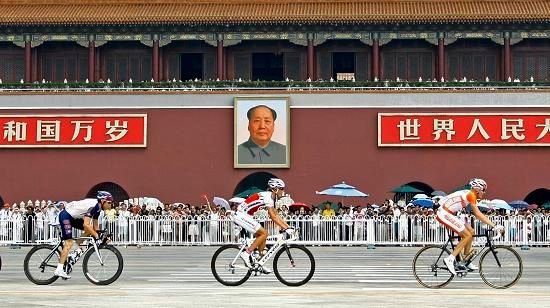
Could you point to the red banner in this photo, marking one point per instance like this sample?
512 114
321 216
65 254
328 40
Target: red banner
464 129
72 130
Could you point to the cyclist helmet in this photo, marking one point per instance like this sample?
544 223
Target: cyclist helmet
275 183
104 195
478 184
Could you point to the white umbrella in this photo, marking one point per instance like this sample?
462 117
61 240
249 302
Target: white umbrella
152 203
236 200
501 204
421 196
221 202
439 193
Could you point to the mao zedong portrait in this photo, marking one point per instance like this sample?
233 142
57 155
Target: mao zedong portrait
259 148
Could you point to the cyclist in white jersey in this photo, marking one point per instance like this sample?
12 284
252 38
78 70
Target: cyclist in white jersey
243 217
446 215
81 215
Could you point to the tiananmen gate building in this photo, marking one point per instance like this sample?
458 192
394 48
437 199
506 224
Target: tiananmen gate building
66 132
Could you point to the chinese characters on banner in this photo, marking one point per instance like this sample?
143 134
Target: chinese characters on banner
69 130
464 129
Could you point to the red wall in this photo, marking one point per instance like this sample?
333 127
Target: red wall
190 153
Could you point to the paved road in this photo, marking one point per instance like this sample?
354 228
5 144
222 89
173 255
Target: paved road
345 276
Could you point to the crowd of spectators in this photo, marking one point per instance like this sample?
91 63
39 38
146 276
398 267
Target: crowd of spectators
200 223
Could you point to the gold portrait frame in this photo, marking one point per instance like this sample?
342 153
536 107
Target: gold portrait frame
246 153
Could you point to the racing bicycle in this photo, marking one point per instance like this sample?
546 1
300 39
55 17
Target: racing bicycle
293 265
102 263
500 266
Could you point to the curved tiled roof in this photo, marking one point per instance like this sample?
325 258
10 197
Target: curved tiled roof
26 12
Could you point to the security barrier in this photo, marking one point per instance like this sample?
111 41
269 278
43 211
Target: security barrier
314 230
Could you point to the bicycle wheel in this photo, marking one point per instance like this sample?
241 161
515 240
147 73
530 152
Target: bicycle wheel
228 268
40 263
501 267
106 273
429 269
294 265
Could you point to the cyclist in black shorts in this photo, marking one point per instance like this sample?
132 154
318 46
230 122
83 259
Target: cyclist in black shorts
81 215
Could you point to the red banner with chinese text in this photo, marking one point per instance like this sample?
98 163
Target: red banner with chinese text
72 130
464 129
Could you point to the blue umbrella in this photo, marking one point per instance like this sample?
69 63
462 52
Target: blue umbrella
342 190
519 204
424 203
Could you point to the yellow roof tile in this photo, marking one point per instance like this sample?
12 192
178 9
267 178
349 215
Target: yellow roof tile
17 12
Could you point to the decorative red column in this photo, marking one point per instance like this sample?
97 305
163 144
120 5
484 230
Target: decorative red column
162 74
91 61
155 69
507 57
375 59
219 59
441 59
99 73
34 64
310 57
28 61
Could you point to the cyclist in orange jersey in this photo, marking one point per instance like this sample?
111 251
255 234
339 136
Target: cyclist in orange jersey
446 215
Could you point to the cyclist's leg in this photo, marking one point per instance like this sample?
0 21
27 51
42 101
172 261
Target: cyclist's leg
260 240
79 224
456 225
66 224
65 221
468 245
248 223
452 222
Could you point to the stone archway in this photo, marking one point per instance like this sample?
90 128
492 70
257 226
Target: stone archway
538 196
119 193
257 179
425 188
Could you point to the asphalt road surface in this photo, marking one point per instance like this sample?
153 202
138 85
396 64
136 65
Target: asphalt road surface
344 277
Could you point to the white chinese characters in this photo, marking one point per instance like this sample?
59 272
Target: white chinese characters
116 130
15 131
464 129
63 130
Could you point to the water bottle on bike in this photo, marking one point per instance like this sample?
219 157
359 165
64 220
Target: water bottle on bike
74 256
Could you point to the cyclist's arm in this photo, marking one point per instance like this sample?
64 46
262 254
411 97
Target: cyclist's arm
481 216
276 218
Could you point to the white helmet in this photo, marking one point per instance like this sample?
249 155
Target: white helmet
275 183
478 184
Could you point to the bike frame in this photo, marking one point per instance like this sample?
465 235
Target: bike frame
279 243
60 245
488 245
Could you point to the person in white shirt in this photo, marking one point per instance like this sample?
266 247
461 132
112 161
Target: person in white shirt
123 217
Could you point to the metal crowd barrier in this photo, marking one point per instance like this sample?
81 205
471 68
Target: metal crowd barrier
314 230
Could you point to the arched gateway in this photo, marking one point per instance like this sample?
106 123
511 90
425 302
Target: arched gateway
119 194
256 179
